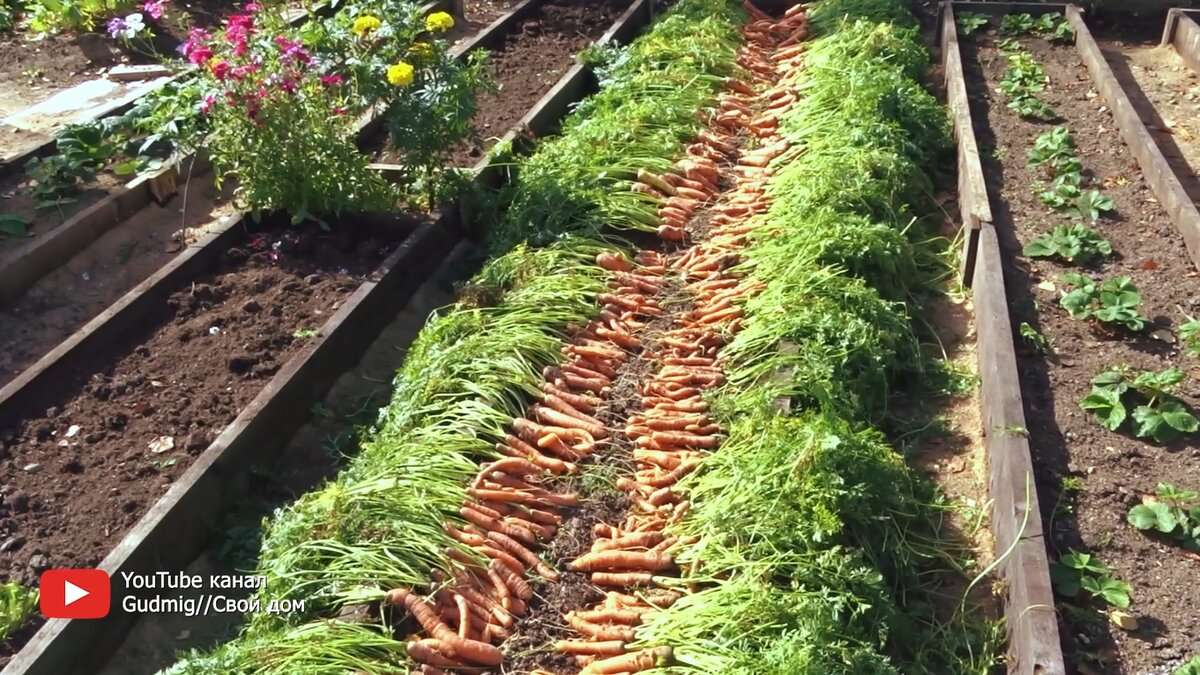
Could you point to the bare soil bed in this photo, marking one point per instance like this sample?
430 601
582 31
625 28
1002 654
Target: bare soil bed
64 300
1163 89
537 52
78 474
1113 470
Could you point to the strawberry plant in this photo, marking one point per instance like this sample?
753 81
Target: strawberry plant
1054 27
1052 145
1111 302
1157 413
1076 572
1016 24
1192 667
969 22
1074 243
1091 205
1021 82
1172 512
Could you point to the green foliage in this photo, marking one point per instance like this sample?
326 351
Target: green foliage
1073 243
969 22
1192 667
1189 335
1021 82
54 16
1157 413
1034 338
14 224
1113 302
1172 512
10 10
1053 27
1052 145
1016 24
1077 572
582 180
17 605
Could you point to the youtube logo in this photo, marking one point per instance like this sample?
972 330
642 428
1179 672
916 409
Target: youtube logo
74 594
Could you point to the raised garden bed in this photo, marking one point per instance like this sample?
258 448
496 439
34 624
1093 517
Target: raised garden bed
1088 478
290 309
534 54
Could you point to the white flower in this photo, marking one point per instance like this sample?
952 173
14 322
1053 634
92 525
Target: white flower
134 23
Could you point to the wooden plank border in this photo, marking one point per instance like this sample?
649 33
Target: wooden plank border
1030 619
1183 33
1158 172
176 527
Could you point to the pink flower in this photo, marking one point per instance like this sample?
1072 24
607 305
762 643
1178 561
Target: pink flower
252 7
340 110
220 70
293 50
200 55
207 104
331 80
242 72
288 85
154 8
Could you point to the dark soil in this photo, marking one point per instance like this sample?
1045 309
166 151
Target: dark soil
1114 470
69 494
477 15
539 50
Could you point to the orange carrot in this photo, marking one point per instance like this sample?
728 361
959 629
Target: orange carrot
621 560
622 578
631 662
503 557
552 464
600 632
582 370
671 233
629 541
469 650
514 582
613 262
487 522
529 558
550 416
431 651
513 466
464 617
627 617
668 438
608 648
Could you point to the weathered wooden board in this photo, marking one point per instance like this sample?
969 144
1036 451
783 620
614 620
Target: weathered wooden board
1182 31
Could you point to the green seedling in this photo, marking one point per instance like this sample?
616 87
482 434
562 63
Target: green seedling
1173 512
17 604
14 224
1076 572
1016 24
1054 27
1035 338
1054 144
1156 413
1091 205
1113 302
1189 335
304 333
969 22
1072 243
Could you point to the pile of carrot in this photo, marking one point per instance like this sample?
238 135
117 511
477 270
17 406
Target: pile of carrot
511 514
673 431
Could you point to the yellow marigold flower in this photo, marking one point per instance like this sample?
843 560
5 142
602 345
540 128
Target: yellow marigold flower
400 74
365 25
439 22
421 50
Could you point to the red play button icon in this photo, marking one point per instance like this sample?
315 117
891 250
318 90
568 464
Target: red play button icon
74 594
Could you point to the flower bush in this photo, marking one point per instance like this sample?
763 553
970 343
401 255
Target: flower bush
281 104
